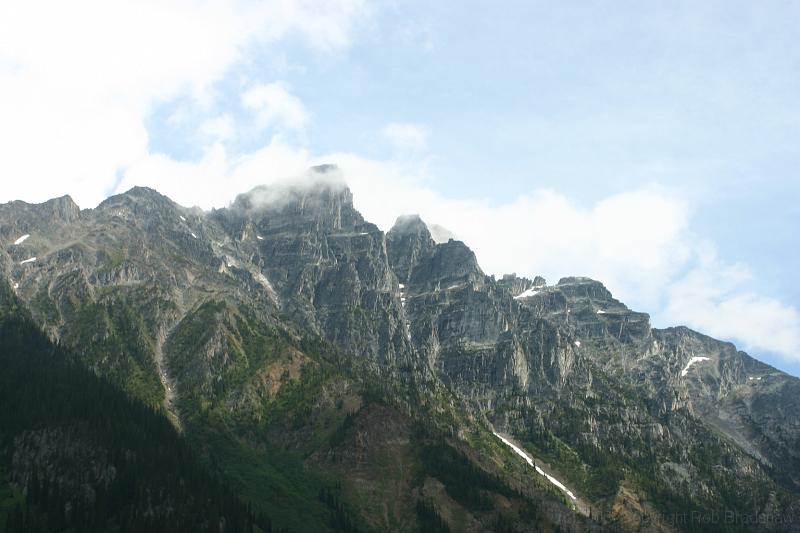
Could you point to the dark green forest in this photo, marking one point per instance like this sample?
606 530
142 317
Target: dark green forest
77 454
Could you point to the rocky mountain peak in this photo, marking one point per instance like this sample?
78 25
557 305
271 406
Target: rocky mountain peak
516 285
21 220
582 287
410 225
321 201
318 193
141 200
450 263
407 243
63 208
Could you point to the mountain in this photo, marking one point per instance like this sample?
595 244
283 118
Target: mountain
82 456
336 377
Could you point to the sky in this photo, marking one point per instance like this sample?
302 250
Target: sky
650 145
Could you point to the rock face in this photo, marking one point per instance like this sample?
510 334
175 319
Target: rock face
408 242
329 268
679 369
201 312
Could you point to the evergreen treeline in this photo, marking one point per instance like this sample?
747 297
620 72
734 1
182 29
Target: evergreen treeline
463 481
340 519
140 474
429 520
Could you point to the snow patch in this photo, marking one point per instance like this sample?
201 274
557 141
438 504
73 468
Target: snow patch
556 482
401 286
751 378
16 286
539 471
21 239
515 448
259 237
600 312
692 361
193 235
31 260
578 344
183 218
533 291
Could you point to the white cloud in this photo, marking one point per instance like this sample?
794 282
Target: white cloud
406 137
718 299
78 79
327 24
275 106
215 179
219 128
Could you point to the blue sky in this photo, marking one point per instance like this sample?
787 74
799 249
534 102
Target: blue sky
652 145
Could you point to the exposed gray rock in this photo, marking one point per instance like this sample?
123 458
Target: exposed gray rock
408 242
567 369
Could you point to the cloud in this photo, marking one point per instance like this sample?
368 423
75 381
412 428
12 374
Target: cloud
78 79
328 25
217 177
276 107
718 299
219 128
406 137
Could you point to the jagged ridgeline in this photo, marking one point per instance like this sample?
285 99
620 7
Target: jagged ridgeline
334 377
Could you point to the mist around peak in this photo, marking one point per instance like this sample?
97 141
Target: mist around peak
319 184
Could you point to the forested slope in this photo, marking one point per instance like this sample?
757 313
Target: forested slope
77 454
